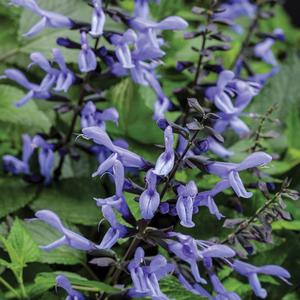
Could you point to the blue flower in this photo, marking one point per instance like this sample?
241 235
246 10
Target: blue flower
48 18
207 199
34 90
220 290
98 19
165 161
235 9
121 43
229 172
45 157
227 88
126 157
69 237
145 278
15 165
64 283
194 288
90 116
185 203
87 60
186 248
149 199
263 50
65 77
251 272
115 232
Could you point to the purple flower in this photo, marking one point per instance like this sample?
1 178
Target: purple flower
145 278
122 42
196 288
115 232
220 290
235 9
91 117
149 199
64 283
165 161
87 60
15 165
34 90
98 19
263 50
207 199
48 18
186 248
226 89
148 29
185 203
46 157
69 237
126 157
65 77
141 8
251 272
229 172
218 148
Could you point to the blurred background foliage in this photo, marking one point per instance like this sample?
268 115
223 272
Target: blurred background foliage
72 197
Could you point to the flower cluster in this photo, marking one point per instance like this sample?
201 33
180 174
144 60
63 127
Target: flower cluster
191 142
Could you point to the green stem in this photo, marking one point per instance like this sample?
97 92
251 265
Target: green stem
9 287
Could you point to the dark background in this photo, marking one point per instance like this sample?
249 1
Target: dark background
293 9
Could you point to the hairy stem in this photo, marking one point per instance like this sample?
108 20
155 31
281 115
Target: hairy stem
244 225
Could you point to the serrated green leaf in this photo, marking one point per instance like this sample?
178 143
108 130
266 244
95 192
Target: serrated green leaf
20 245
43 234
29 116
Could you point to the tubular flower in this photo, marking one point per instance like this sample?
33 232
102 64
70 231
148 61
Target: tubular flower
126 157
165 161
15 165
87 60
149 199
48 18
145 278
98 19
251 272
69 238
229 172
34 91
185 203
186 248
64 283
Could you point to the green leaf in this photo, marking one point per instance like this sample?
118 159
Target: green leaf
15 193
174 290
135 106
72 200
45 281
29 116
20 245
285 225
43 234
293 128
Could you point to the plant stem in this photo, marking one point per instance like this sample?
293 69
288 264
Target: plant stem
136 240
201 56
247 39
250 220
76 112
9 287
260 127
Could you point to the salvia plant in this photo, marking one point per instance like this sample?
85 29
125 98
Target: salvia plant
150 200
